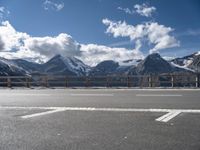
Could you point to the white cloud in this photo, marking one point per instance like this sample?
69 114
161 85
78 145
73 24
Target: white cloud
144 10
157 35
93 54
14 44
10 37
126 10
50 46
50 5
3 13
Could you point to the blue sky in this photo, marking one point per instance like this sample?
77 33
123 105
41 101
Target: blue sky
82 20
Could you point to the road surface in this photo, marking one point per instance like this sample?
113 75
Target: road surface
99 119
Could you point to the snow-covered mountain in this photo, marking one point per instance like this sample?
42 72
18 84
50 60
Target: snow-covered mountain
191 62
8 67
110 67
154 64
60 65
71 66
30 67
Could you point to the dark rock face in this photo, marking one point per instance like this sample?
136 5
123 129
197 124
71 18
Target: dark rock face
28 66
104 68
153 64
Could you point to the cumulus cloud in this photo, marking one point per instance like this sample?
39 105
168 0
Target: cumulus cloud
50 5
156 34
144 10
50 46
15 44
11 38
93 54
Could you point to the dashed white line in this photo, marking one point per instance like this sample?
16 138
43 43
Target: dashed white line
23 94
96 95
158 95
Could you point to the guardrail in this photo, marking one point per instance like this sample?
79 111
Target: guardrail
140 81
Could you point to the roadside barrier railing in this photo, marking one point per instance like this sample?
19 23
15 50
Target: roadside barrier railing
137 81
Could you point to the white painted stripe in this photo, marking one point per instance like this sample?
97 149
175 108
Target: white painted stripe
167 117
42 113
92 95
164 116
158 95
171 116
22 94
104 109
171 113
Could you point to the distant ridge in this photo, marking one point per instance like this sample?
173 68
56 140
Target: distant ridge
72 66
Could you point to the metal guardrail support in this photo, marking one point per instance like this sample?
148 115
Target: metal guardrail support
87 82
46 81
128 82
197 80
107 82
28 82
9 82
66 81
166 80
172 80
150 80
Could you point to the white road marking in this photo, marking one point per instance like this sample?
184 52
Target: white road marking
171 113
42 113
158 95
92 95
167 117
23 94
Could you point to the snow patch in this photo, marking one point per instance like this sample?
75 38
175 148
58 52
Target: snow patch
182 67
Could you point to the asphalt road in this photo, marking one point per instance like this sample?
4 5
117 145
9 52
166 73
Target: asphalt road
99 119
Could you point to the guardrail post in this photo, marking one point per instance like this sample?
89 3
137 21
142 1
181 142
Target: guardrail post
128 82
197 81
87 82
66 82
172 80
46 81
9 82
150 81
27 82
107 81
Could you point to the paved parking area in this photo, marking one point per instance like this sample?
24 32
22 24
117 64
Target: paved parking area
87 119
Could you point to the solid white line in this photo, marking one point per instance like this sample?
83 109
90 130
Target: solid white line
158 95
91 94
105 109
167 117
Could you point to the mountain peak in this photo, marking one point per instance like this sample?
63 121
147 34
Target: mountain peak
66 65
154 56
